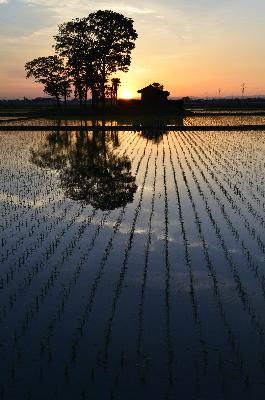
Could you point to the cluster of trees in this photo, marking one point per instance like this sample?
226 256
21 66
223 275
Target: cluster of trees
88 51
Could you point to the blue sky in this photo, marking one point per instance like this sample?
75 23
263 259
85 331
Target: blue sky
193 47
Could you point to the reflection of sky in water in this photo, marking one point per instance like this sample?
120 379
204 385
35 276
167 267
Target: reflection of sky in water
153 297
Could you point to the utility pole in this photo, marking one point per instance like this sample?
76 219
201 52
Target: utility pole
243 88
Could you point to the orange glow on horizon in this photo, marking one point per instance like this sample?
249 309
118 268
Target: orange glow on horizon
126 94
192 49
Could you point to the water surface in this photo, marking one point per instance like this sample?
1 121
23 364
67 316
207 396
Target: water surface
132 266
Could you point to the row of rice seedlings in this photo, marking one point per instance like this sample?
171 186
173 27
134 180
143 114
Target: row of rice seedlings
120 282
224 154
146 264
25 190
254 267
142 358
36 210
83 319
92 299
246 151
28 277
43 189
50 249
36 305
242 292
250 145
237 178
43 293
44 343
212 273
188 262
251 166
235 188
73 281
243 295
24 225
126 148
15 206
22 260
233 204
169 344
252 232
223 120
250 177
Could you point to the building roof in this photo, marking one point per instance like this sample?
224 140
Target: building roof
153 89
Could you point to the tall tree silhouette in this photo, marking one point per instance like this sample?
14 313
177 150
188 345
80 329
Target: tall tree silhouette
96 47
75 43
115 83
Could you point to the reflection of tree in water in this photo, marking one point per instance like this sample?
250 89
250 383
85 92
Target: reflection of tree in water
155 135
159 127
54 153
89 170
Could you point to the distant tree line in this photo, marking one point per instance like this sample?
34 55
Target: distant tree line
88 51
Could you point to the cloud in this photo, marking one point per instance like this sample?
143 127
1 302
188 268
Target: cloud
3 1
79 7
130 9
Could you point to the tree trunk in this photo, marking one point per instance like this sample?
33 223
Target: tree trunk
93 95
85 100
111 95
103 96
80 97
103 84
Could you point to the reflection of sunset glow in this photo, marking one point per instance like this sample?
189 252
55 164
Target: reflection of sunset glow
126 94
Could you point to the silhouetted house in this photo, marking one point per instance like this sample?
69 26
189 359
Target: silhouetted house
153 96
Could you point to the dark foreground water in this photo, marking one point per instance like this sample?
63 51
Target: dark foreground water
132 266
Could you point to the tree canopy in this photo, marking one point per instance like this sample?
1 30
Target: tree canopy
96 47
88 52
51 72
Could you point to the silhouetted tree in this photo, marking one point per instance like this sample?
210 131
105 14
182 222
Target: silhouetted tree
114 88
96 47
51 72
75 43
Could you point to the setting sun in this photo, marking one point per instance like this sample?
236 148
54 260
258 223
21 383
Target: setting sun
125 94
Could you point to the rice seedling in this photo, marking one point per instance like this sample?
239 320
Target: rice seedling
150 280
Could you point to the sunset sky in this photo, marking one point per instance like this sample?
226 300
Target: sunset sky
193 47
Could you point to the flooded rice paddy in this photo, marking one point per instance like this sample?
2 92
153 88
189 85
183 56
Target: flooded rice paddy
132 265
214 120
